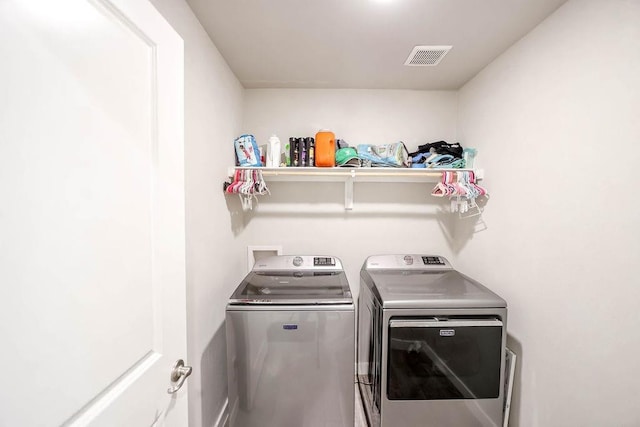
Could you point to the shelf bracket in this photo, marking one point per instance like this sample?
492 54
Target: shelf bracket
348 192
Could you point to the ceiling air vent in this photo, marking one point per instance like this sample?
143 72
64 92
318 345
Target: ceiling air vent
424 56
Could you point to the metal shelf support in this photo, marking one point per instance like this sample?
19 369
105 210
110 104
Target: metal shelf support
348 191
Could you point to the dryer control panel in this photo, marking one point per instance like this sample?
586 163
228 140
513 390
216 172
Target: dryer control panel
408 262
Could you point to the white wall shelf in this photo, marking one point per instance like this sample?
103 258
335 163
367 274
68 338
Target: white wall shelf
350 175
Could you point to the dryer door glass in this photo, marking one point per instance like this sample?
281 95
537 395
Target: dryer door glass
431 359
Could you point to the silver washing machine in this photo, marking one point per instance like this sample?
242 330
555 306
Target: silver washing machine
431 345
290 345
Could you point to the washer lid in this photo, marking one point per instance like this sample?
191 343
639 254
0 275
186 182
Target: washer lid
293 287
430 289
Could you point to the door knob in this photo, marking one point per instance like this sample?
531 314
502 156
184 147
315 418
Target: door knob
179 373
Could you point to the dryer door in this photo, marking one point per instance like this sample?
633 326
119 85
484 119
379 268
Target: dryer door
435 358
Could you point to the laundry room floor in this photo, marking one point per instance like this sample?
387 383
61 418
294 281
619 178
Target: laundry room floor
360 418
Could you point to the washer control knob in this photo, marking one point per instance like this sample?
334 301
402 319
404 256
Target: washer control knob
297 261
408 259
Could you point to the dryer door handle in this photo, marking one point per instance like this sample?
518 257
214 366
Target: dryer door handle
436 323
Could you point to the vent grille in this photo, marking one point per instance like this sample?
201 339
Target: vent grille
425 56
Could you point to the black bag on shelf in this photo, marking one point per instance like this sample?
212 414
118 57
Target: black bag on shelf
440 147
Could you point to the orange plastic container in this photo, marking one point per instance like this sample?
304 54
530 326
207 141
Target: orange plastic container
325 148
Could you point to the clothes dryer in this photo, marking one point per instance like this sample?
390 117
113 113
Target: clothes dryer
431 345
290 345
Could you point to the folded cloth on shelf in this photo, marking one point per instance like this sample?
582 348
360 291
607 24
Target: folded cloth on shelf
389 155
437 161
448 164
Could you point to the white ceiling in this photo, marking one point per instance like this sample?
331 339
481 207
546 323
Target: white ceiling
363 43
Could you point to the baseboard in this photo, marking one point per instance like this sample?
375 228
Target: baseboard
223 416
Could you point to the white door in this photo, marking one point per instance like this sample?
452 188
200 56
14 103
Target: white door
92 274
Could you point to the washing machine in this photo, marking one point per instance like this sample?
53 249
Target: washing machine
431 344
290 330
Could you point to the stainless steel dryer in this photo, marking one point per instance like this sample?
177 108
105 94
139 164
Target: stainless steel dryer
290 345
431 344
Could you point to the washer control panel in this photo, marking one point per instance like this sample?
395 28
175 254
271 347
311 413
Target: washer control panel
298 262
324 261
432 260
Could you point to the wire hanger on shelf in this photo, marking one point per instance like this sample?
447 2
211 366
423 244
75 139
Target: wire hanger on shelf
463 190
247 184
